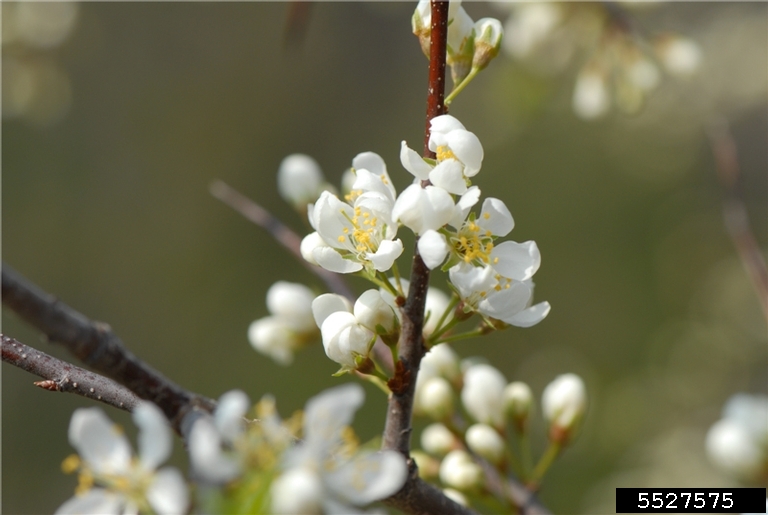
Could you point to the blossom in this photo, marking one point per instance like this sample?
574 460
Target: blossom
564 402
358 233
345 340
591 98
488 34
300 180
459 155
483 394
459 471
290 326
485 441
126 485
518 400
438 440
323 473
460 26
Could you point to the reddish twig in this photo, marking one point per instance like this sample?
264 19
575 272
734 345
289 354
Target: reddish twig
735 211
96 345
61 376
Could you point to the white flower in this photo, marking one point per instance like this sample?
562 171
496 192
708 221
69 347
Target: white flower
336 482
328 303
213 442
422 209
529 25
300 180
483 394
518 400
590 95
459 26
290 326
435 398
564 402
374 313
129 485
485 441
440 362
738 443
643 74
357 236
459 471
680 56
488 34
345 340
438 440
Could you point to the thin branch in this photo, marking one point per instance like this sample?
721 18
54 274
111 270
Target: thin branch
61 376
97 346
735 210
283 234
420 497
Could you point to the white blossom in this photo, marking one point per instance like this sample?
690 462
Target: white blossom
488 34
518 400
300 180
459 471
563 403
485 441
435 398
483 394
422 209
328 303
335 481
436 304
680 56
438 440
529 26
373 312
345 340
460 26
127 485
590 95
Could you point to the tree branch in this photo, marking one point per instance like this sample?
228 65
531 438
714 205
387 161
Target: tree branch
735 211
61 376
97 346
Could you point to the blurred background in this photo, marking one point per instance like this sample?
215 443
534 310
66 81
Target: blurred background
118 116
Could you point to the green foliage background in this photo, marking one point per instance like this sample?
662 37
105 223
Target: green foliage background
109 209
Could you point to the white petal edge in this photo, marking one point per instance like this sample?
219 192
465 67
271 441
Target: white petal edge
168 494
433 248
518 261
413 162
331 260
154 440
530 316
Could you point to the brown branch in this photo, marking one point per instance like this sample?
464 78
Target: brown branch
61 376
97 346
283 234
735 210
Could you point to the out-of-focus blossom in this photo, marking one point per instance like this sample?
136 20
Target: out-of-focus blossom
483 394
564 402
300 180
459 471
438 440
485 441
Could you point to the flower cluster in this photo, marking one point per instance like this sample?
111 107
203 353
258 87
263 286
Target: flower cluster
622 68
493 407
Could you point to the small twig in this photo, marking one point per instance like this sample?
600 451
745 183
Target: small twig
283 234
735 211
61 376
96 345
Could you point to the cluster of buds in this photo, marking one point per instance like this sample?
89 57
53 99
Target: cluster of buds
495 411
623 68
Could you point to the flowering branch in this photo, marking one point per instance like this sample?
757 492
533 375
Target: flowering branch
735 211
279 231
96 345
61 376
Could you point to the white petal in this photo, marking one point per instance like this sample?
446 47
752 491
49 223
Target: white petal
413 162
168 494
327 414
369 182
433 248
299 179
272 336
449 175
369 477
463 206
495 217
331 217
506 302
439 126
370 161
529 316
483 394
467 148
96 501
299 490
206 457
154 439
99 442
310 242
421 209
228 416
331 260
292 301
470 279
518 261
328 303
386 254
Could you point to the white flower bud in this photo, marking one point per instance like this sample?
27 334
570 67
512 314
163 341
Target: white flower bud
293 303
529 26
344 339
730 448
488 34
328 303
299 490
436 398
441 360
438 440
680 56
518 400
436 304
486 442
643 74
483 394
309 243
299 180
372 312
273 337
564 402
590 95
421 209
459 471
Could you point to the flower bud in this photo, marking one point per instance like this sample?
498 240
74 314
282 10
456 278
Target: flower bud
564 402
300 180
328 303
344 340
272 336
483 394
590 95
436 304
518 400
680 56
436 398
459 471
438 440
442 361
483 440
372 312
488 34
293 303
